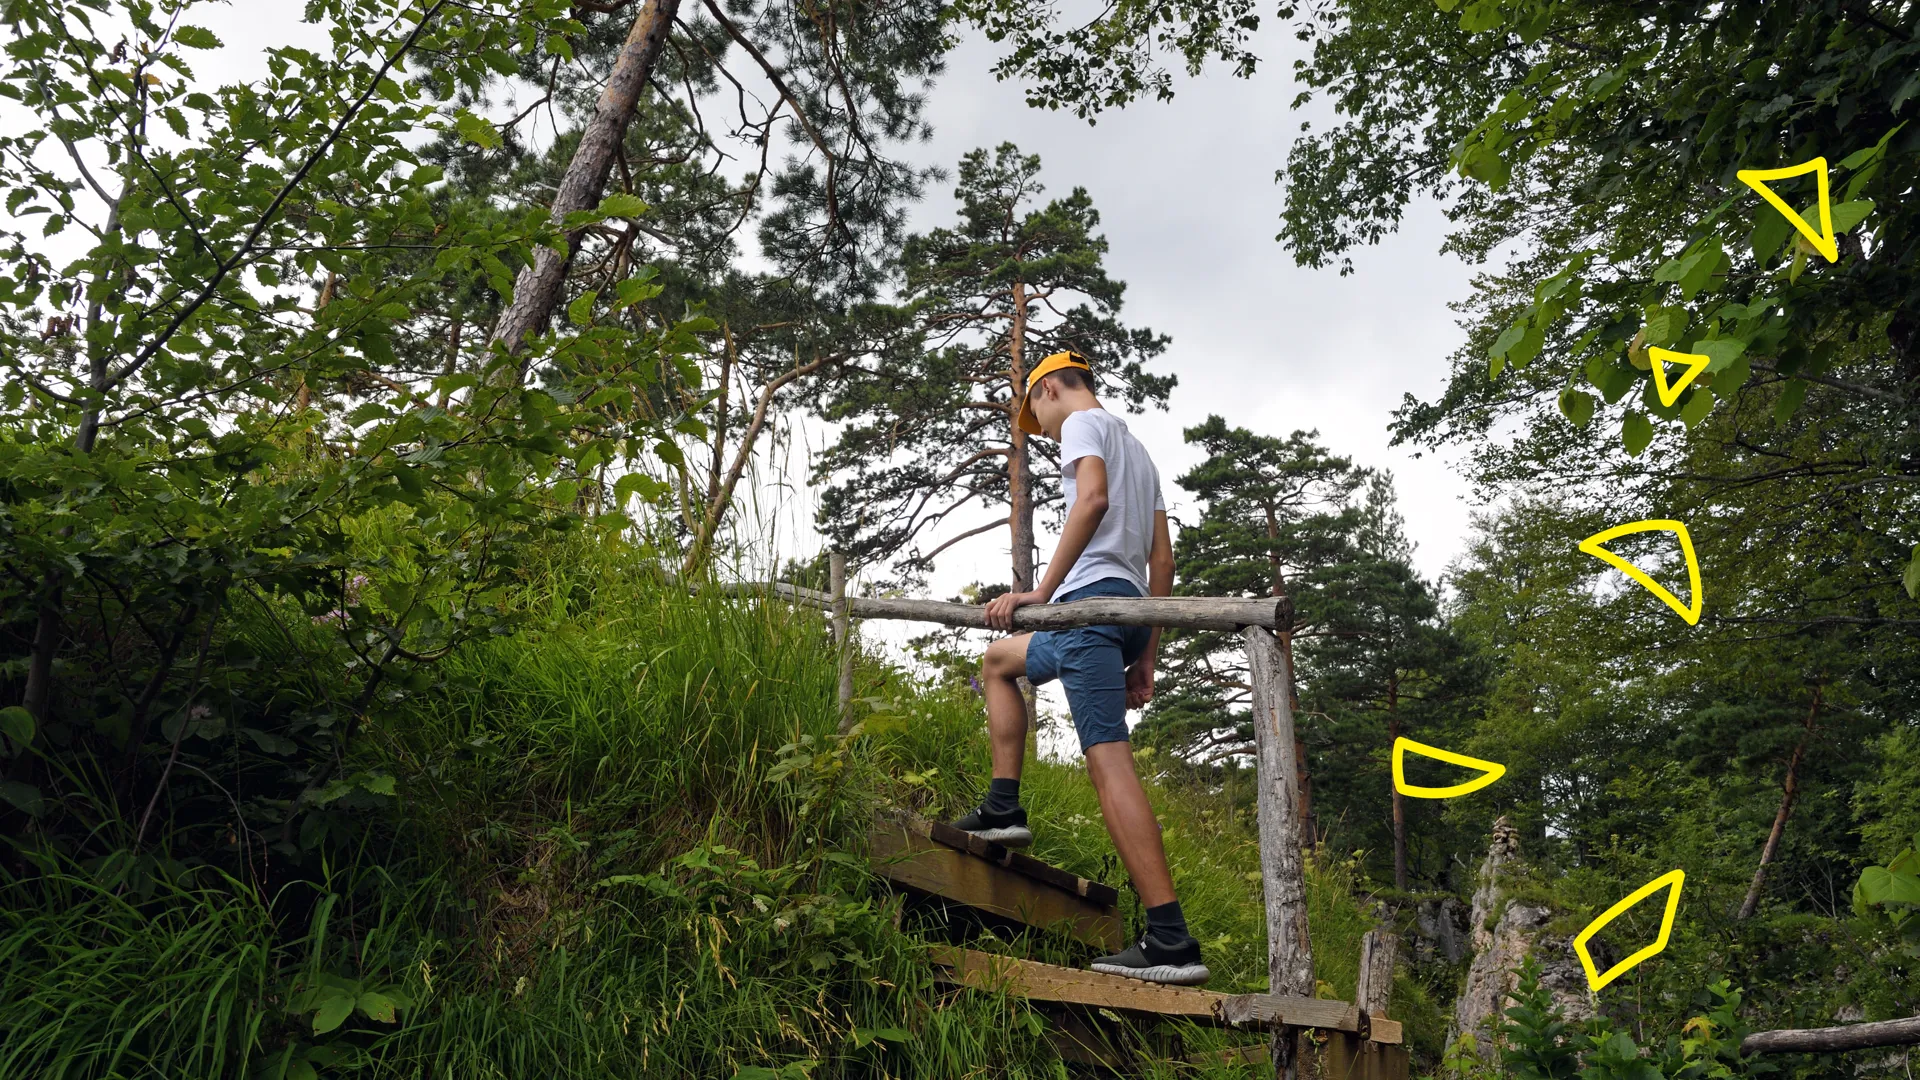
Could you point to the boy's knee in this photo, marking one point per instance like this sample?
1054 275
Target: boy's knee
1000 661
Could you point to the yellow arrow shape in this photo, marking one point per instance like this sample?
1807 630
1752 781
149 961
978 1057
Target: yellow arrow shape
1595 980
1670 392
1493 770
1689 612
1822 241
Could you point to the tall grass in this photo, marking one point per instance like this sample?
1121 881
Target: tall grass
591 870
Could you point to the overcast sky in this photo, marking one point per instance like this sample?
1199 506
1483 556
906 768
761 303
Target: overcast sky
1189 207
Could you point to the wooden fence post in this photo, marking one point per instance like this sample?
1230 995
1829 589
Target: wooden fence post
837 568
1282 868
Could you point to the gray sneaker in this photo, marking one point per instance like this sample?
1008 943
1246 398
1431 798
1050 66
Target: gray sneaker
1007 830
1154 961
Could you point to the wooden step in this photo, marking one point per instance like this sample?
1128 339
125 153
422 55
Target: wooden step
937 859
1047 982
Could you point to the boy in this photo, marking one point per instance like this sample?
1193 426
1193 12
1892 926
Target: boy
1115 543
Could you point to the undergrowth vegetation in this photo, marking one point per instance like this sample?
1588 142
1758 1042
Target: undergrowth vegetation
623 841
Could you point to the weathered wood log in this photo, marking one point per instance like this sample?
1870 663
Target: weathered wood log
1185 612
837 568
1829 1040
1282 870
1377 956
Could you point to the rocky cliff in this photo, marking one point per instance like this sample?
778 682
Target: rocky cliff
1517 929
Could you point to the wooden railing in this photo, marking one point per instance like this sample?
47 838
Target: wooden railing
1277 804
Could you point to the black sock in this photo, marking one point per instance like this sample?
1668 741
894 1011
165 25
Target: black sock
1003 796
1166 923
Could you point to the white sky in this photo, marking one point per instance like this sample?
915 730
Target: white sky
1189 206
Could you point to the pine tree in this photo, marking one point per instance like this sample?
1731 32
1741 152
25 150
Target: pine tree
1383 661
1277 519
930 431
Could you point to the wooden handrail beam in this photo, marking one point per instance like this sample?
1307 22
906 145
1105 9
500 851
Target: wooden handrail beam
1183 612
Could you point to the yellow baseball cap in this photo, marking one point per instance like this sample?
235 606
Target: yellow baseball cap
1025 419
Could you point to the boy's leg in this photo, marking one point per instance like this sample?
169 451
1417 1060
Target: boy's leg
1093 672
1000 818
1000 670
1130 820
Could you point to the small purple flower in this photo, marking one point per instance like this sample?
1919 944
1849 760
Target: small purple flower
974 681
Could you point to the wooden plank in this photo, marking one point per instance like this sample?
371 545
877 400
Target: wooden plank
1283 875
1103 895
1047 982
907 856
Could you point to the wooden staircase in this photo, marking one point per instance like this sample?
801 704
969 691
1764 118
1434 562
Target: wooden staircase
936 861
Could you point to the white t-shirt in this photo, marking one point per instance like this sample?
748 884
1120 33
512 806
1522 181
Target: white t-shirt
1123 540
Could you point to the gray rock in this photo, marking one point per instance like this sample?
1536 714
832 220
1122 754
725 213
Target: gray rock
1519 930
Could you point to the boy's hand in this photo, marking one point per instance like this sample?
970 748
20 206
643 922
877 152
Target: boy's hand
1139 683
1000 608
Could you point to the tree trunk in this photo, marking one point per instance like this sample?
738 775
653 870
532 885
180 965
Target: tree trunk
1787 791
1285 634
536 292
1020 493
1282 867
1399 801
1830 1040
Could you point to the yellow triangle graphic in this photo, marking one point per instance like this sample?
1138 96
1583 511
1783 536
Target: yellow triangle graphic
1822 241
1689 612
1595 980
1670 392
1493 770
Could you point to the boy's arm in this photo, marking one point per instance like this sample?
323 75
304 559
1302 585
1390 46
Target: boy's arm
1089 506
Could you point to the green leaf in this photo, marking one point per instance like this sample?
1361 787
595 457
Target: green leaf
1698 405
622 205
16 723
1727 382
1665 323
1791 396
476 129
333 1012
196 37
1577 406
1861 157
1447 5
1636 431
1911 579
1880 885
23 797
863 1036
1724 351
1523 353
580 312
377 1007
1848 214
1770 234
1508 339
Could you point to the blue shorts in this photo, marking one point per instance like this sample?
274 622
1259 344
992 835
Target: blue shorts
1091 664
